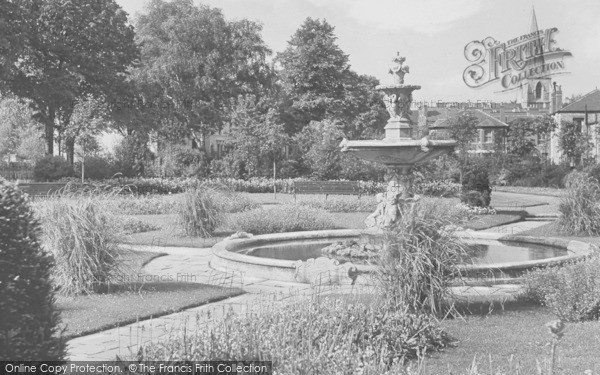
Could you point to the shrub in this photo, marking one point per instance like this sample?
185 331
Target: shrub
51 168
444 189
318 336
283 218
29 318
572 291
579 205
475 190
420 255
340 204
132 225
96 168
230 201
83 237
198 211
141 205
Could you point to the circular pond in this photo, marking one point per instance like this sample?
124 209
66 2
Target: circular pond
297 257
482 251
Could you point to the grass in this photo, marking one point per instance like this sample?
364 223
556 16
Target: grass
517 330
128 302
554 192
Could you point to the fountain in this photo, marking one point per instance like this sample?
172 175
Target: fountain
297 256
398 150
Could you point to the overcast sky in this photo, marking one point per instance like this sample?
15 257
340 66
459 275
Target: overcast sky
432 34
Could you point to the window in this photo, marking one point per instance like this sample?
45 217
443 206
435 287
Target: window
538 90
488 136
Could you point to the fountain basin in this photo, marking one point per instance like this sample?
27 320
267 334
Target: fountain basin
235 256
398 152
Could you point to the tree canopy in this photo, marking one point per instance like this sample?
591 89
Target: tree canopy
70 48
193 62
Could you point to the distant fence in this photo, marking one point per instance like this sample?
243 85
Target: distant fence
16 171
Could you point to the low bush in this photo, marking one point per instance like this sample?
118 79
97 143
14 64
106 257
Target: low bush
198 211
230 201
96 168
318 336
82 235
572 291
420 256
282 218
132 225
580 206
29 317
340 204
51 168
476 189
436 188
142 204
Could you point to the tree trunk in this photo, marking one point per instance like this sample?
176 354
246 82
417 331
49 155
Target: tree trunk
49 132
70 150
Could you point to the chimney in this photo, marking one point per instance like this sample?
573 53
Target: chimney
422 127
553 99
559 102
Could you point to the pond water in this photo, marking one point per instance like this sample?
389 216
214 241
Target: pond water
485 252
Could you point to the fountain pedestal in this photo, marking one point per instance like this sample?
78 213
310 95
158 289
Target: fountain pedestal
398 150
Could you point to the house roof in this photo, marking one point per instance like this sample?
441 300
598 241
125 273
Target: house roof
486 120
589 102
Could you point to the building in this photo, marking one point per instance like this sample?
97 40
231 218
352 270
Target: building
584 114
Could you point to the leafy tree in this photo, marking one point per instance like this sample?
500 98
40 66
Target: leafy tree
574 143
20 133
88 119
13 36
463 129
522 132
259 136
194 61
71 48
319 143
313 72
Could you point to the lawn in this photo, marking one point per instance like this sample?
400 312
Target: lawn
128 302
517 330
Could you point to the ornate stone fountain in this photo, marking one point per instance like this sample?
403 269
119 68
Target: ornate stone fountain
398 150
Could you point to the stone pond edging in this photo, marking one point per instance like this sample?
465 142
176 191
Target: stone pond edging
226 258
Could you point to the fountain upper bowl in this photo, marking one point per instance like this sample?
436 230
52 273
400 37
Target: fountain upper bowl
400 151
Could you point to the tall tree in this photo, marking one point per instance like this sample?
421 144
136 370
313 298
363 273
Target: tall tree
193 62
20 133
88 119
313 72
73 47
522 133
259 136
574 142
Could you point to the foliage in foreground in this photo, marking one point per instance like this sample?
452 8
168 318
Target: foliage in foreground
283 218
420 256
580 206
198 212
328 336
82 235
572 291
29 318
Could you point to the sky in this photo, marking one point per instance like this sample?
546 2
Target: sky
431 34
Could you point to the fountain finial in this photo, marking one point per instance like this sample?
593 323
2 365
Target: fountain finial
398 69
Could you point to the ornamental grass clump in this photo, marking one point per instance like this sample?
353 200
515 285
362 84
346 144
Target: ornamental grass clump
282 218
580 205
198 211
309 336
420 257
83 237
29 318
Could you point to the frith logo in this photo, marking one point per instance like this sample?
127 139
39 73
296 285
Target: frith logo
533 55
